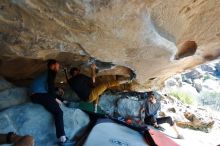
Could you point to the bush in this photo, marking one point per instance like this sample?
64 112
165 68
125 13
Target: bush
183 96
210 99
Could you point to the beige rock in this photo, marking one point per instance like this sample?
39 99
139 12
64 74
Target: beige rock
195 123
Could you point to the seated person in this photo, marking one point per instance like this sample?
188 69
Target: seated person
43 92
152 106
84 85
16 140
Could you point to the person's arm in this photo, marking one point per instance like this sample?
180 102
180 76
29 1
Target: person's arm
60 94
93 73
155 115
50 84
51 88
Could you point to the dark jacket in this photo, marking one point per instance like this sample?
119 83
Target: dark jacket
82 85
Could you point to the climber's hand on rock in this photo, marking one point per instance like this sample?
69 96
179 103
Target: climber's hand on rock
93 66
58 101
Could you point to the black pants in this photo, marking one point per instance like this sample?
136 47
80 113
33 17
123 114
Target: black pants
53 107
150 120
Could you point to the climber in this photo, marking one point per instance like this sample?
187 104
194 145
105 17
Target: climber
43 92
85 87
16 140
151 108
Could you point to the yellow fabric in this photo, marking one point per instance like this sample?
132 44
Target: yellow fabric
98 90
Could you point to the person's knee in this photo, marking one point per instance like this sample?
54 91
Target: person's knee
29 139
150 120
26 140
170 121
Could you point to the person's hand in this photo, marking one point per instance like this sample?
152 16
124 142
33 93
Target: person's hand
60 91
58 101
93 66
142 109
158 127
65 69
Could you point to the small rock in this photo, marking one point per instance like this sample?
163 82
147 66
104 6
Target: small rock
162 114
172 110
194 74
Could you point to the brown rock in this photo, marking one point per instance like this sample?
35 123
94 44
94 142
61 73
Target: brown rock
195 123
172 110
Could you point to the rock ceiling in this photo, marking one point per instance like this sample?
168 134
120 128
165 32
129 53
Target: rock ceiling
155 38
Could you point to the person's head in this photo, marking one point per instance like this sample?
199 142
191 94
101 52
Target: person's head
53 65
74 71
151 98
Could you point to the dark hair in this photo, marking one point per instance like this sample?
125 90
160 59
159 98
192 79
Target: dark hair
73 69
150 93
51 62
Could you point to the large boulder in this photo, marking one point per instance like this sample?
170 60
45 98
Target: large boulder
128 107
34 120
217 69
4 84
194 74
108 103
11 95
175 81
171 82
207 68
121 104
124 104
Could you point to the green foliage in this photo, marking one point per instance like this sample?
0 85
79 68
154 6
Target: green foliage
210 99
211 95
183 96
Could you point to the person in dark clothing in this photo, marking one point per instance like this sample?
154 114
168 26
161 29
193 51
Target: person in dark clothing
43 91
85 87
152 106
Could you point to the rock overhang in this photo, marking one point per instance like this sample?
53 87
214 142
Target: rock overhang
145 36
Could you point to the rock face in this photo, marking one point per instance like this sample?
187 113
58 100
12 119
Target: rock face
202 83
34 120
187 116
140 35
4 84
127 107
120 105
184 115
11 95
